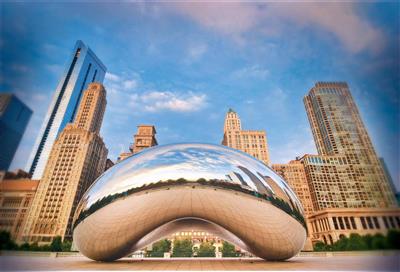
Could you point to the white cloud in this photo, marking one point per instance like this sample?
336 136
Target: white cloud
122 82
195 52
237 18
156 101
130 84
124 99
227 17
51 49
296 146
338 18
254 71
112 77
55 68
152 49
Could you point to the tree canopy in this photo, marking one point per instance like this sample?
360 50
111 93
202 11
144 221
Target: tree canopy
363 242
182 248
159 248
206 249
228 250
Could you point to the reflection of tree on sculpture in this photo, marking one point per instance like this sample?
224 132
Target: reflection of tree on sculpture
228 250
206 249
159 248
182 248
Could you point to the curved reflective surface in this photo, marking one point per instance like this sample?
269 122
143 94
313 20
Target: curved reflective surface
154 193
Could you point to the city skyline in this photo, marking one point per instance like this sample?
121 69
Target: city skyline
142 90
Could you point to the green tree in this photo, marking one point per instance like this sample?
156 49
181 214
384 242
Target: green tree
368 240
24 247
158 248
5 241
228 250
182 248
66 246
341 244
393 239
45 248
378 242
356 242
56 244
206 249
35 247
320 246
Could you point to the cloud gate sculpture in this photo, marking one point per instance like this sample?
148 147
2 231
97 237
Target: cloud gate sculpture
165 189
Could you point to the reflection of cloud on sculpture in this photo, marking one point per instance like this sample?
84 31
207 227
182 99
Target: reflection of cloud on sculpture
149 183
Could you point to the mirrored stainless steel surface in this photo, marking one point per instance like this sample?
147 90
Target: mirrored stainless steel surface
156 192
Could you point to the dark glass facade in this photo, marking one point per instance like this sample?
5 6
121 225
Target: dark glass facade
14 117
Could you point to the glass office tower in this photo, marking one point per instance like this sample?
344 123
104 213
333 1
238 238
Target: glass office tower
83 67
14 117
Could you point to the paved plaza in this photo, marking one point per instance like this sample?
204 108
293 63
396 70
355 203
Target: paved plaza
354 262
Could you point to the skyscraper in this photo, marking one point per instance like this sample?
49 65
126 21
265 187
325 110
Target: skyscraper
14 118
77 158
388 176
347 172
83 67
253 142
144 138
295 175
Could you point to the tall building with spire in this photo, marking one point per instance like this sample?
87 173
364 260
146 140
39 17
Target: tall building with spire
347 172
77 158
83 67
253 142
144 138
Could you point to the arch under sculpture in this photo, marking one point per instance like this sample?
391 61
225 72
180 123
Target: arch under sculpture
165 189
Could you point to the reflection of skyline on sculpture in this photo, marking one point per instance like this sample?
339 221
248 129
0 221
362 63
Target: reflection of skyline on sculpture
154 193
165 163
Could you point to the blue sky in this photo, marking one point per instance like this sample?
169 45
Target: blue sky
180 66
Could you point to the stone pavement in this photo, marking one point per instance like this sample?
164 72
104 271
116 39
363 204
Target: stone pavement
360 262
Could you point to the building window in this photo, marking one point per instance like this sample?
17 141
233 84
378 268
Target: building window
392 225
377 225
353 223
369 221
364 225
330 239
398 221
335 224
346 220
327 224
341 222
385 221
